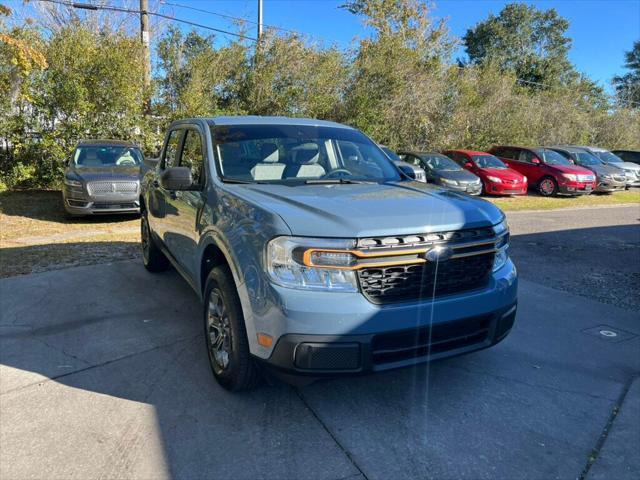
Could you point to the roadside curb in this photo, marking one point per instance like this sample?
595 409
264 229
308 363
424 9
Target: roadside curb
616 455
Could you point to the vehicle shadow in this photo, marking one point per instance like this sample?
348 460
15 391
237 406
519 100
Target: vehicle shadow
104 374
46 205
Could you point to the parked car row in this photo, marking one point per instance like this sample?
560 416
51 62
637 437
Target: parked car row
513 170
376 270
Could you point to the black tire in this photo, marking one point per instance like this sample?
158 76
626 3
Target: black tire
152 257
548 187
221 301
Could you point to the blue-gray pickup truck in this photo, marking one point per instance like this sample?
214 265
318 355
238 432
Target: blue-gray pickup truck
314 255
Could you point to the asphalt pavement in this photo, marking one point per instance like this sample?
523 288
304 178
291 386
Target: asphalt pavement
103 374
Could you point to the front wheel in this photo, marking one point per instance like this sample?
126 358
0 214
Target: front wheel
548 187
225 333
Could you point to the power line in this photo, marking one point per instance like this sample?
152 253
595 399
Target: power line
90 6
223 15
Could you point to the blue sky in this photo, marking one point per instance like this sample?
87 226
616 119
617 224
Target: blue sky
602 30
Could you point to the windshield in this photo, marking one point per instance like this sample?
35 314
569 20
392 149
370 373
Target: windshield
440 162
585 158
608 157
391 154
488 161
551 158
299 153
92 156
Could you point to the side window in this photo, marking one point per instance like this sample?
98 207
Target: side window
413 160
171 151
193 156
526 156
507 153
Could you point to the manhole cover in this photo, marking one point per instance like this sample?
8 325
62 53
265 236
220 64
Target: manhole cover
610 334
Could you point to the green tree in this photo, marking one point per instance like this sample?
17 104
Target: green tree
628 85
398 84
290 77
522 39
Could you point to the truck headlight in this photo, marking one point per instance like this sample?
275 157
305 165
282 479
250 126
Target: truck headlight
502 245
312 263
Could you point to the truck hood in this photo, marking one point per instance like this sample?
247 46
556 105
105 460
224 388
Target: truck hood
363 210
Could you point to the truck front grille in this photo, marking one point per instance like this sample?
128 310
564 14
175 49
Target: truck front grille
118 187
398 346
426 280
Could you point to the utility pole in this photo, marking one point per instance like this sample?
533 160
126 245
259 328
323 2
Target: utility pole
259 20
146 52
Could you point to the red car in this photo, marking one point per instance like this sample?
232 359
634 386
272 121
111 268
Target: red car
547 170
497 178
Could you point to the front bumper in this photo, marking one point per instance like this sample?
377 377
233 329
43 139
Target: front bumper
506 189
610 186
576 188
469 189
78 202
328 333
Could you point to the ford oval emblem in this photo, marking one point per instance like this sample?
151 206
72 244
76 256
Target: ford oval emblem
439 254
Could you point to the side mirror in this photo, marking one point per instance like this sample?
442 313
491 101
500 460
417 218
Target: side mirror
151 162
535 161
408 171
468 164
176 178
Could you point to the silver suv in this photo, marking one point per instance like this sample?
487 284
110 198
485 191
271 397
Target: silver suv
103 176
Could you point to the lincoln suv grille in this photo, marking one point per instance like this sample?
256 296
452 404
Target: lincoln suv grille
469 268
118 187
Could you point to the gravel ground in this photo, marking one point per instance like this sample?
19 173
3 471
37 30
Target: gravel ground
592 252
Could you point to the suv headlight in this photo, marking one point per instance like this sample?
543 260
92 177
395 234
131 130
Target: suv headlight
72 183
312 263
502 245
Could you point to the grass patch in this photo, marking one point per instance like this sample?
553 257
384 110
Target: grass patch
36 235
535 202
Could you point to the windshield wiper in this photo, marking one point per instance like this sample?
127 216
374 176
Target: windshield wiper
237 180
336 181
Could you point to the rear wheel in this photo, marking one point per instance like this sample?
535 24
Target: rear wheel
226 335
152 257
548 187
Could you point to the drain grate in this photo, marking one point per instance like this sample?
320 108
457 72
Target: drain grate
609 333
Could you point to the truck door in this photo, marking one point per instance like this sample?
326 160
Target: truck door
188 203
159 209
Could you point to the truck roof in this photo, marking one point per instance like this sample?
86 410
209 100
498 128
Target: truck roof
261 120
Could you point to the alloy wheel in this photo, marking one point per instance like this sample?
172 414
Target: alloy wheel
547 187
218 331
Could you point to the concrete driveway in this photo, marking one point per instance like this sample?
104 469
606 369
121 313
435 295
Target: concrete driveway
103 374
